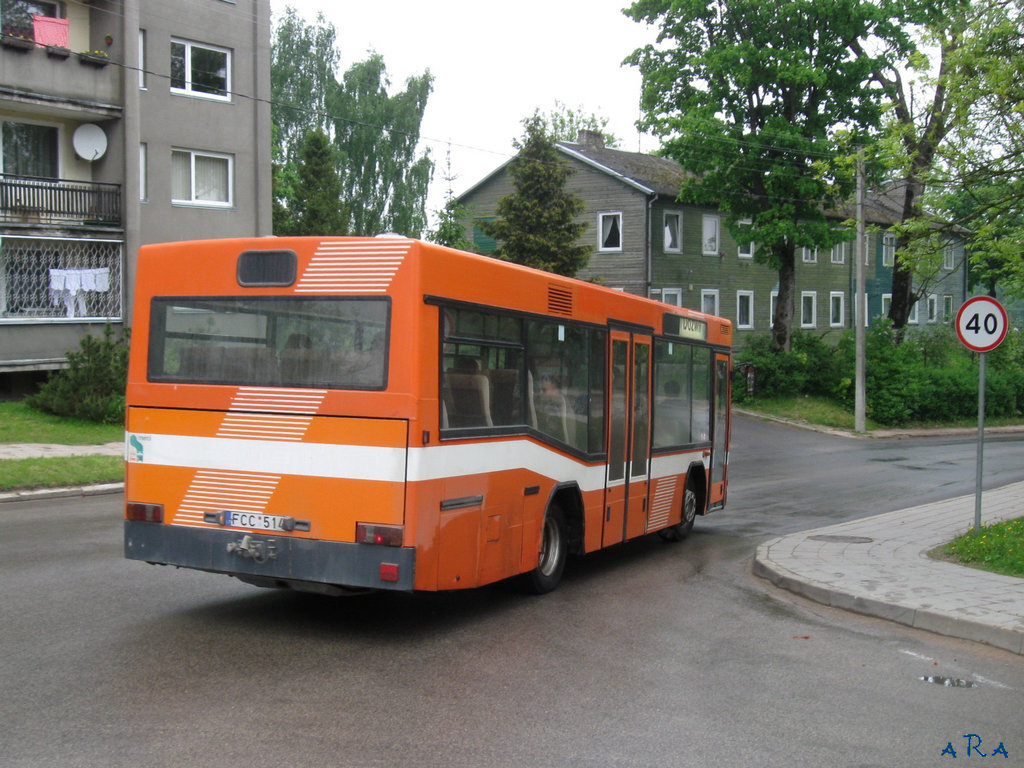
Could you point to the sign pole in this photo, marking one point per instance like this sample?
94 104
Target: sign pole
981 444
981 326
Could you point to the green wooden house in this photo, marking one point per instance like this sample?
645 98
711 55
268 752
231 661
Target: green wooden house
647 243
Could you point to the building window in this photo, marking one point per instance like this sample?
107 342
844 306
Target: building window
912 317
709 301
27 149
609 227
745 310
948 257
143 173
142 59
888 250
200 70
886 304
673 296
933 308
947 308
808 309
745 250
709 235
837 309
673 231
810 255
201 178
839 253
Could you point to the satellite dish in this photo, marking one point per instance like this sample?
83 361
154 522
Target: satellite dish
89 141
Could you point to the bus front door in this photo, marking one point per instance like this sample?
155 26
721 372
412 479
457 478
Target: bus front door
720 432
629 428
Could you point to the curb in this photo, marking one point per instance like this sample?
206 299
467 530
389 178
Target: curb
938 622
38 494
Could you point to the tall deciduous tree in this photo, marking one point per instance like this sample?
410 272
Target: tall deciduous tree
749 97
536 223
384 178
565 123
377 134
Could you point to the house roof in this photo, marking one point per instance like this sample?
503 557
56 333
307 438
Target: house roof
656 175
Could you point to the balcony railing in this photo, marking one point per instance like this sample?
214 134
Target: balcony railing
31 200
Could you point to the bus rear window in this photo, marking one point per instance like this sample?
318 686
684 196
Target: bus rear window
335 343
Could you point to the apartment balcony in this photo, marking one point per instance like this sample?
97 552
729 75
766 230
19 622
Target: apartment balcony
48 66
58 202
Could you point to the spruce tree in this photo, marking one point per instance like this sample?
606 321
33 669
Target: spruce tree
536 223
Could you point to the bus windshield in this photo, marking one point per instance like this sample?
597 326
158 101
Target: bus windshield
337 343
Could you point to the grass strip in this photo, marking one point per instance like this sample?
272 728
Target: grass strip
22 474
999 548
21 424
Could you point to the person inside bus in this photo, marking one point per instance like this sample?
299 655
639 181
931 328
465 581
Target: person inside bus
552 413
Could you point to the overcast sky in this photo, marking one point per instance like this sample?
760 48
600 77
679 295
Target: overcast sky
494 63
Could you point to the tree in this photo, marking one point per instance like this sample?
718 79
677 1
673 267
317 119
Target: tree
536 223
564 124
750 98
450 228
383 177
377 135
318 209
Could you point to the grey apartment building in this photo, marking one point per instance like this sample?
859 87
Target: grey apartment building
122 122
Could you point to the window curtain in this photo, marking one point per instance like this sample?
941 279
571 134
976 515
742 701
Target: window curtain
30 150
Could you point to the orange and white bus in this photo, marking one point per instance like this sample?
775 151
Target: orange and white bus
383 413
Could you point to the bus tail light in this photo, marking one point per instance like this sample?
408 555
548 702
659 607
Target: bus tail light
144 513
386 535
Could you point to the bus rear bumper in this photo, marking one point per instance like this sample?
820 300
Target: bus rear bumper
267 559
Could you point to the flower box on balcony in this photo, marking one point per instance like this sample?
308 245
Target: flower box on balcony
57 52
23 44
93 59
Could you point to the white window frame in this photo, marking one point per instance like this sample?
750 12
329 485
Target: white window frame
748 298
810 255
912 319
888 250
811 322
616 215
839 252
948 258
193 202
142 60
666 231
773 303
886 304
673 296
745 250
711 232
188 90
710 293
833 297
947 308
143 172
933 308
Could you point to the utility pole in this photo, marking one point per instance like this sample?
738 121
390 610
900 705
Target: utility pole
860 311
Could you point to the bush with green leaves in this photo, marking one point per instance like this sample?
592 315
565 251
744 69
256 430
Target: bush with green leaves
92 386
929 377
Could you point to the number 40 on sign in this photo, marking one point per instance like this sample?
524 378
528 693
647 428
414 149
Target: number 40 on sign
981 324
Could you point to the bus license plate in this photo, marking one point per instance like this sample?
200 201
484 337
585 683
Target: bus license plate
255 520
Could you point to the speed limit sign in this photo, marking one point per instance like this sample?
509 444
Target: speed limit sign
981 324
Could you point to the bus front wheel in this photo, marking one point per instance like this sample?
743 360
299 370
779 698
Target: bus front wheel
554 548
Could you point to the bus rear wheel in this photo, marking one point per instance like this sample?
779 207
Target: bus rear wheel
554 549
680 530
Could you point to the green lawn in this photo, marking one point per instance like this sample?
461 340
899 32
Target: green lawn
71 471
998 548
21 424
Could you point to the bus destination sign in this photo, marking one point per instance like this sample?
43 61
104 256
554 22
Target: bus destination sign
686 327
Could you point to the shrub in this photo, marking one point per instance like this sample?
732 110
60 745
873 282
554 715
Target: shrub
92 386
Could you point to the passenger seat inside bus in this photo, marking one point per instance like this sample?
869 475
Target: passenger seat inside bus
467 395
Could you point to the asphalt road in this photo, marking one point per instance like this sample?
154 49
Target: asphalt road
649 654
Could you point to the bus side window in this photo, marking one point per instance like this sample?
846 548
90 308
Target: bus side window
467 398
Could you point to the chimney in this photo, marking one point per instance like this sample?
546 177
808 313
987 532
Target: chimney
590 139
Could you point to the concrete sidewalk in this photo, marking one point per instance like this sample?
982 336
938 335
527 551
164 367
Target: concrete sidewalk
52 451
879 566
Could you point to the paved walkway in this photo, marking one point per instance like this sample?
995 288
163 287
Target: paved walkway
879 566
